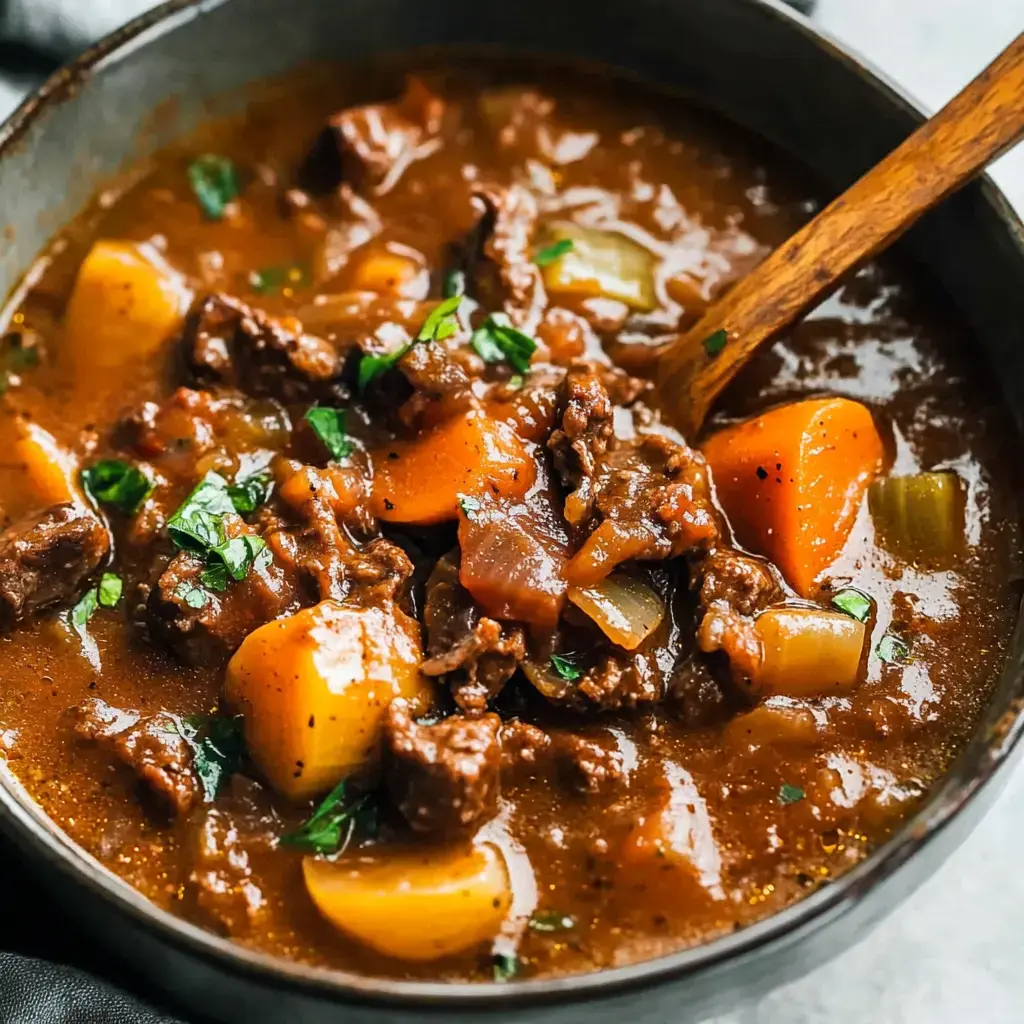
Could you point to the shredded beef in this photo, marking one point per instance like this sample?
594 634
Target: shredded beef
478 655
151 745
442 777
582 764
228 342
586 428
743 582
47 558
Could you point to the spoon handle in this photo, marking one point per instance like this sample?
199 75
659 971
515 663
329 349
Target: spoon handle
973 129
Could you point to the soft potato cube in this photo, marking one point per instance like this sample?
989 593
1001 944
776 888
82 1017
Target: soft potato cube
52 470
314 686
415 906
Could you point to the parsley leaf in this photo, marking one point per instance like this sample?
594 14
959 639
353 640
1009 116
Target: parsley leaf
498 341
218 749
564 667
790 794
248 494
440 324
116 484
551 921
454 284
83 612
714 343
194 597
197 525
853 603
108 593
214 183
892 650
552 252
329 425
331 827
506 966
469 506
274 279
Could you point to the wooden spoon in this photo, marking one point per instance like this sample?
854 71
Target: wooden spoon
973 129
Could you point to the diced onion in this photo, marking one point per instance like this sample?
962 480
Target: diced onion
920 518
807 652
626 610
600 264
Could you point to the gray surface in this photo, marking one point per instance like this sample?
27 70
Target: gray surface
953 952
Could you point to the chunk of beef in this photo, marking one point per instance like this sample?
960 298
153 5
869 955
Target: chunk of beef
228 342
205 627
582 764
151 745
378 142
442 777
623 679
649 499
744 583
585 411
47 558
727 630
478 655
507 276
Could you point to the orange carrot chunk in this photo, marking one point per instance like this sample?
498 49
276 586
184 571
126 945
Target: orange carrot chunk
422 481
791 481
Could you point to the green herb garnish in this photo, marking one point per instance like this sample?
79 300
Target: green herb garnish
552 252
498 341
108 593
194 597
790 794
218 749
116 484
440 324
214 183
470 506
249 494
274 279
197 525
564 667
83 612
505 965
551 921
714 343
892 650
454 284
16 357
334 822
329 425
853 603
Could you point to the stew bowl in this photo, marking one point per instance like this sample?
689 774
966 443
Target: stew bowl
755 63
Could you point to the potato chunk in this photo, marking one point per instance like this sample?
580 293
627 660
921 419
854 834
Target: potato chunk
314 686
415 906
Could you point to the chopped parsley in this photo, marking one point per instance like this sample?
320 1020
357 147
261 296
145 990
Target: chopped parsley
505 966
714 343
214 183
218 749
497 341
194 597
116 484
109 591
250 493
332 825
892 650
329 425
454 284
470 506
552 252
275 279
552 921
19 352
853 603
789 794
83 611
440 324
564 667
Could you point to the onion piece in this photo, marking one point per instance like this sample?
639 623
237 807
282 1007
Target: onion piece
626 610
807 652
600 264
920 518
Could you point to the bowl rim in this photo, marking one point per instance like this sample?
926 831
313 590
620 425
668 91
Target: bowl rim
25 821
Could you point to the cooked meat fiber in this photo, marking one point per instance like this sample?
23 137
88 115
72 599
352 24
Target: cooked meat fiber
150 745
47 559
444 778
581 764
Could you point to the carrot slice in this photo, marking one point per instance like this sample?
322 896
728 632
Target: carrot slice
421 481
791 481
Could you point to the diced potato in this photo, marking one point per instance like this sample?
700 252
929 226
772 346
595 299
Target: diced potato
600 264
127 301
393 270
314 686
808 652
415 906
52 470
779 721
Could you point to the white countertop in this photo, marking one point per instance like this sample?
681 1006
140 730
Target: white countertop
953 952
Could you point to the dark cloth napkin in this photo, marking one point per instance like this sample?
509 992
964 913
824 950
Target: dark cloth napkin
37 985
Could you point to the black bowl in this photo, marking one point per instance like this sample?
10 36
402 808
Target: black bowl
752 61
